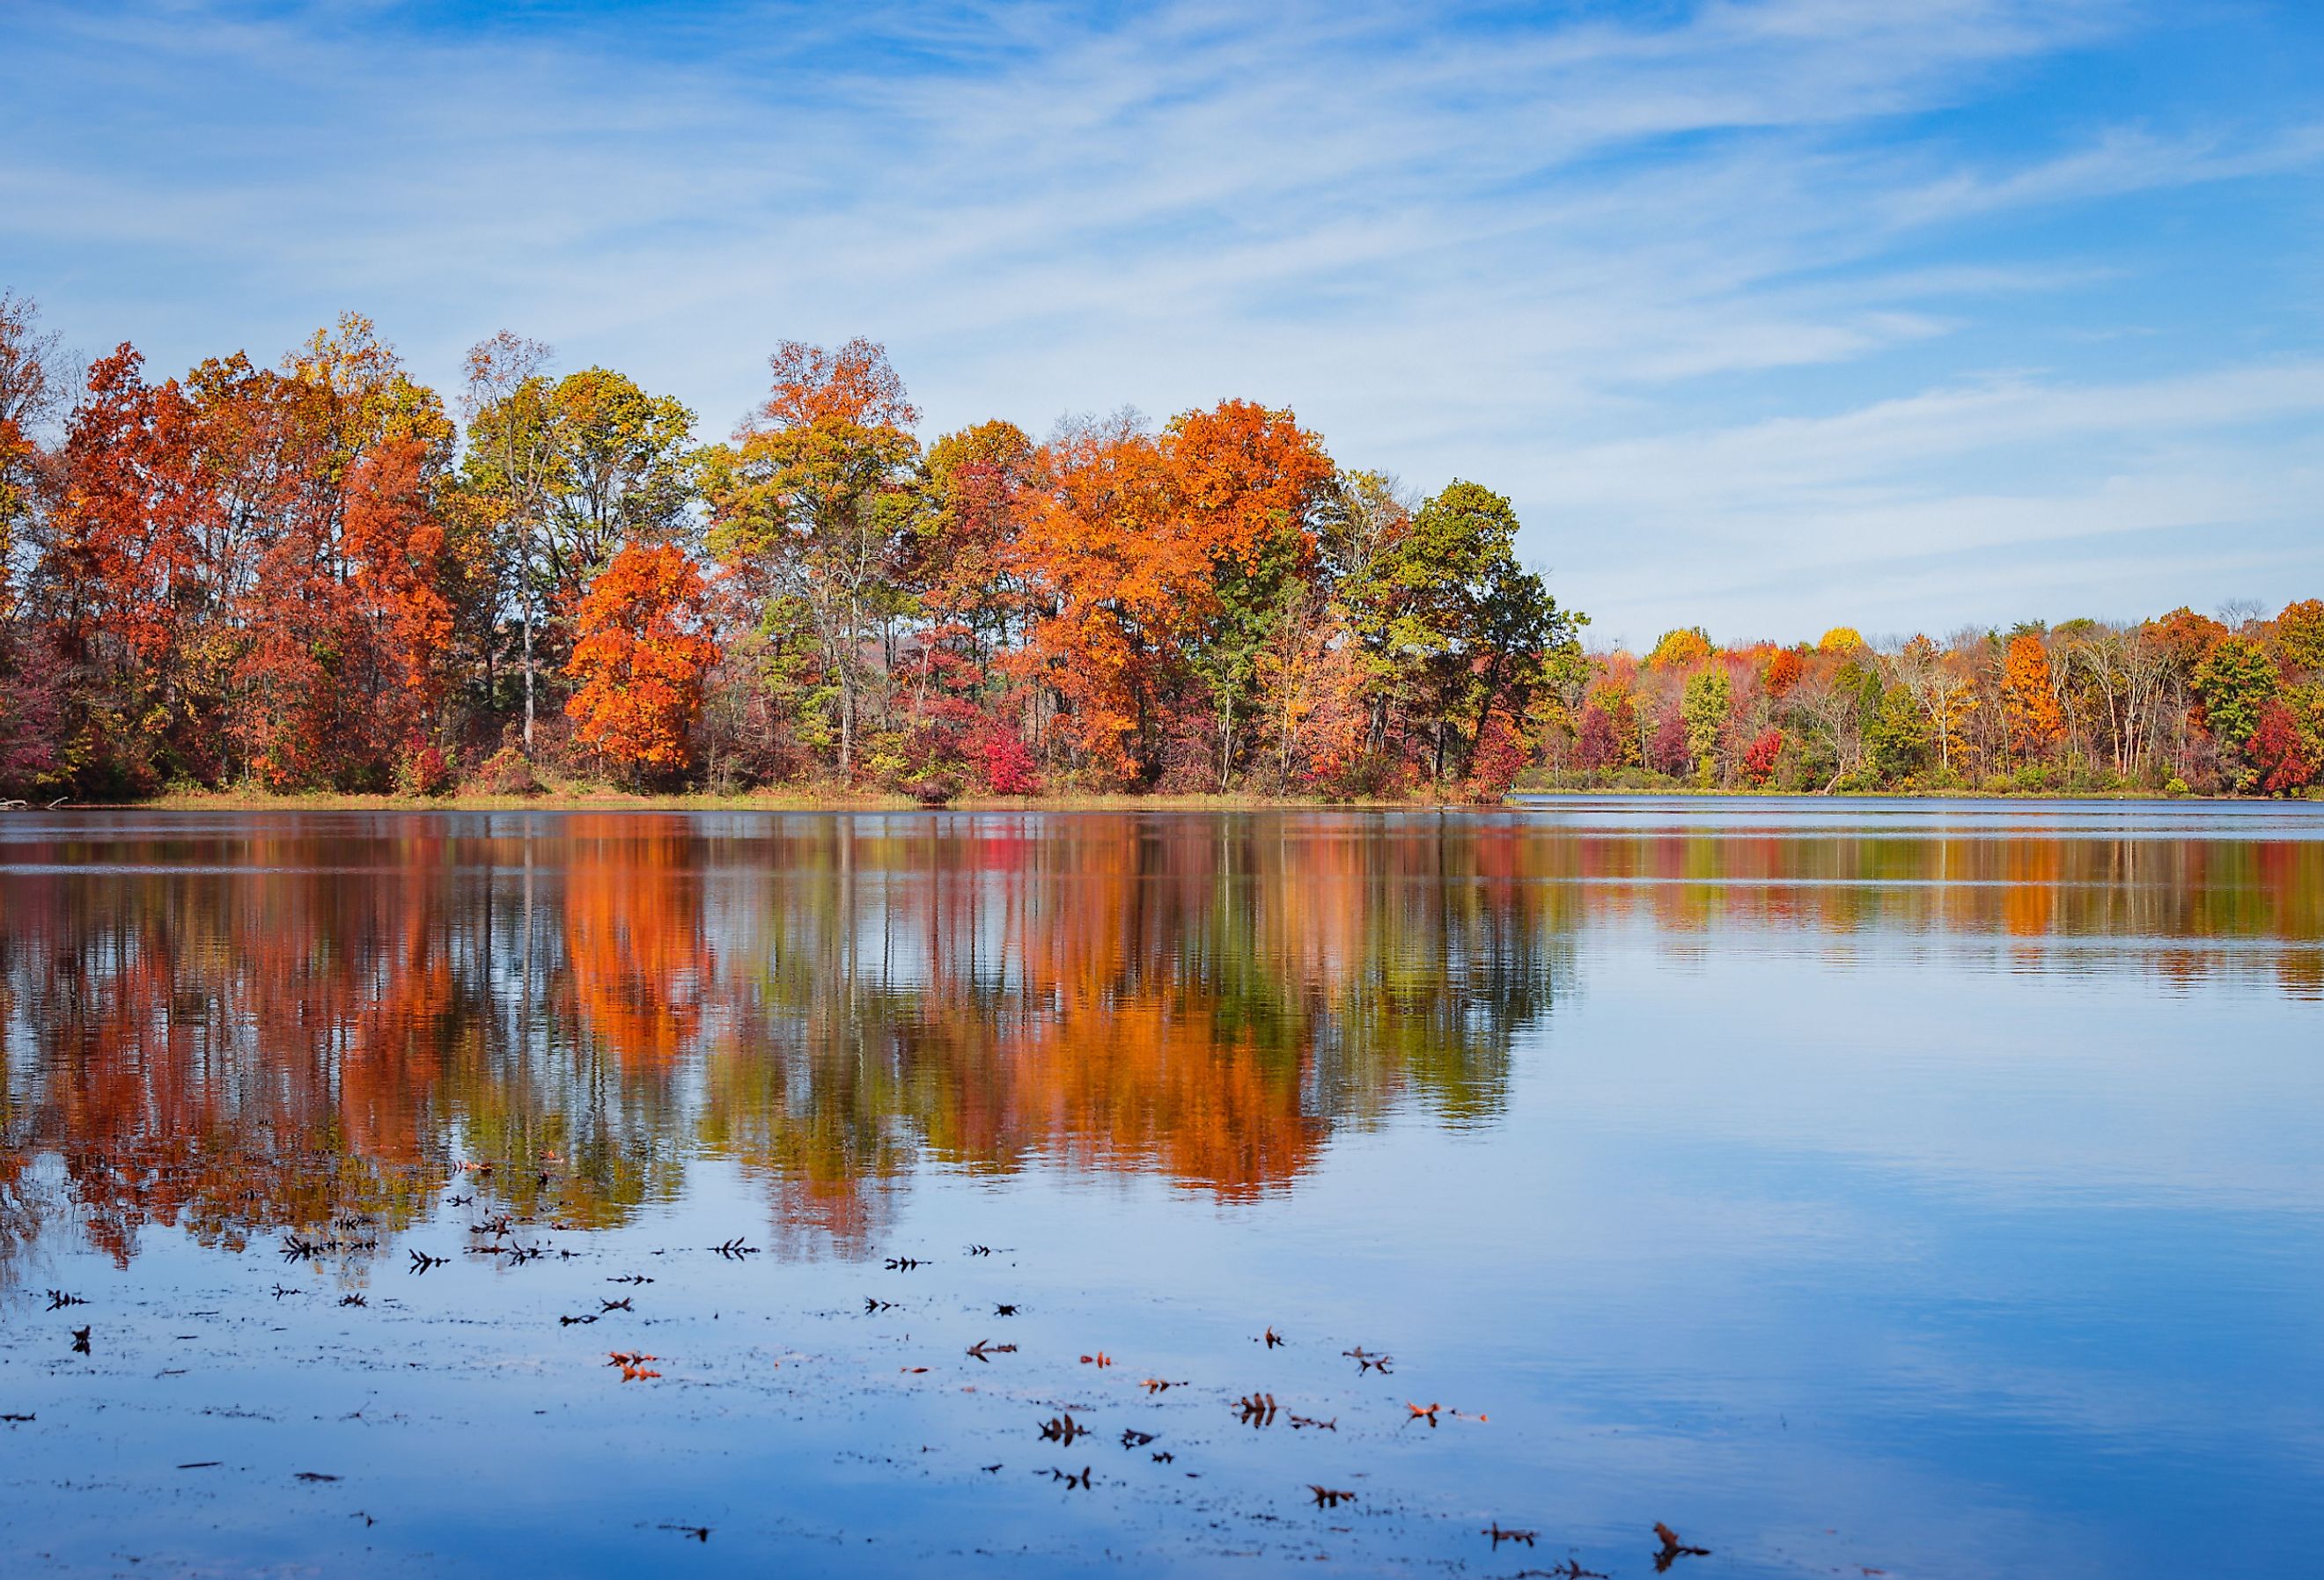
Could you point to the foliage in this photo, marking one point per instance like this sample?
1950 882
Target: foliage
1898 734
308 576
2300 633
1705 706
2235 681
2282 758
1005 764
1681 649
1467 628
1666 748
2028 700
505 772
641 653
811 508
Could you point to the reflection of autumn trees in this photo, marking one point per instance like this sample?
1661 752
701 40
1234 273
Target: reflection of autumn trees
204 1049
2186 906
279 1024
290 1021
1199 998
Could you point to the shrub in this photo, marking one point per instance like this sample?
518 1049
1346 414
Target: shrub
1005 763
505 772
422 771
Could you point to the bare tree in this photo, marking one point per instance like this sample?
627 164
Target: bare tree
31 389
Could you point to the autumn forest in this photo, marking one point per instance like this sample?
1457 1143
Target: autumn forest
322 575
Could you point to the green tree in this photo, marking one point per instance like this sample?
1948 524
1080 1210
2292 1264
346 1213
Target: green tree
2236 680
1898 734
1468 627
1363 517
1705 706
620 474
816 503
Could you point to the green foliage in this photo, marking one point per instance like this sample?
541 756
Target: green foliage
621 471
1897 734
2235 681
790 673
1705 706
817 510
1467 625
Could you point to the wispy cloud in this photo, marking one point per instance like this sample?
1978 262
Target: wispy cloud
1713 290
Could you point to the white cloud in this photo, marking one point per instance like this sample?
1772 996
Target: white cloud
1481 250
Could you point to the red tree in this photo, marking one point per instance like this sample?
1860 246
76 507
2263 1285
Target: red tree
2280 756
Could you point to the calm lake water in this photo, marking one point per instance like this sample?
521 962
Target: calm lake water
1919 1188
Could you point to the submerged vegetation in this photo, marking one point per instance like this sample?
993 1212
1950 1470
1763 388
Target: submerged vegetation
316 578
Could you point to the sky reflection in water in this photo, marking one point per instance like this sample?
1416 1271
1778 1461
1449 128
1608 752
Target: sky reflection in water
1932 1188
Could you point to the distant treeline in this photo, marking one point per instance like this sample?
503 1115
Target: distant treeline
2175 704
323 576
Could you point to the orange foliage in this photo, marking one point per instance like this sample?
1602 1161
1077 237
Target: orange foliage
1245 477
854 384
640 654
2027 697
400 562
641 965
1125 546
2188 637
128 529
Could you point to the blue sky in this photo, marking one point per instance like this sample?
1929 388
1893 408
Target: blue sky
1769 314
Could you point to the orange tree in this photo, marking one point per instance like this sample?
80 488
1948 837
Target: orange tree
2028 698
639 653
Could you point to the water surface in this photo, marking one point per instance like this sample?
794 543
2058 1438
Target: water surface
1935 1189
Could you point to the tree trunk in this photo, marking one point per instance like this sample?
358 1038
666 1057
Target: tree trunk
528 672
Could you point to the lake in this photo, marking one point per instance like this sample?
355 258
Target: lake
1916 1189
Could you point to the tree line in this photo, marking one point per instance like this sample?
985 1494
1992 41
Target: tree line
324 575
2179 703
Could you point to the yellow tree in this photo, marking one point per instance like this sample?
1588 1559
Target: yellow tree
1949 706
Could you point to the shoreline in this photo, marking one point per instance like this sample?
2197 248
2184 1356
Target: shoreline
825 798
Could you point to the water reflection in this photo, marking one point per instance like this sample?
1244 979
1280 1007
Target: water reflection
234 1024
